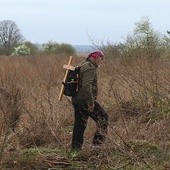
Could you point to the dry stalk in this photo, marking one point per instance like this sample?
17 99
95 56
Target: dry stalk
136 156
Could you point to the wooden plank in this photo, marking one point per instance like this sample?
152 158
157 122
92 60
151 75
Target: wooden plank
65 77
69 67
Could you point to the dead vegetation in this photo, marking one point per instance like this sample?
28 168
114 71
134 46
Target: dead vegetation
36 128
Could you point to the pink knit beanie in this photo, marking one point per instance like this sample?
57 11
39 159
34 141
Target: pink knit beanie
95 54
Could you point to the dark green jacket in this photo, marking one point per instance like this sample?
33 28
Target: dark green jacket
88 88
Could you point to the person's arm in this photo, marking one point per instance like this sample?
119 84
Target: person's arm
87 81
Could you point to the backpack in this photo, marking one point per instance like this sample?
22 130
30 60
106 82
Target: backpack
72 81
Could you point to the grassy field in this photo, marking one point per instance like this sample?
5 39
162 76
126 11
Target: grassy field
36 128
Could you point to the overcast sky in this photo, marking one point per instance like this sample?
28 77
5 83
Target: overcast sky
81 21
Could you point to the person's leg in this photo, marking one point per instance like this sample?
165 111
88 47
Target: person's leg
101 118
81 118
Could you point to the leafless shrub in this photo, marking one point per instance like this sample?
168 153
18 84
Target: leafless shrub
134 93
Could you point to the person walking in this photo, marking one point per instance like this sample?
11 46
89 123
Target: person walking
85 104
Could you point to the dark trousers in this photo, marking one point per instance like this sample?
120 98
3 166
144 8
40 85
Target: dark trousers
81 117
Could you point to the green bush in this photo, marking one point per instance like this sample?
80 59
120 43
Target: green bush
144 42
33 47
56 48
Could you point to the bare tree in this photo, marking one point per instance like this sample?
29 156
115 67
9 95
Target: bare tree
9 36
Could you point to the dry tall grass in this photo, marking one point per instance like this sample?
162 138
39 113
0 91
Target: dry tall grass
135 93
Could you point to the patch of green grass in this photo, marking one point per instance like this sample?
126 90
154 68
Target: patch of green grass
106 158
157 157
